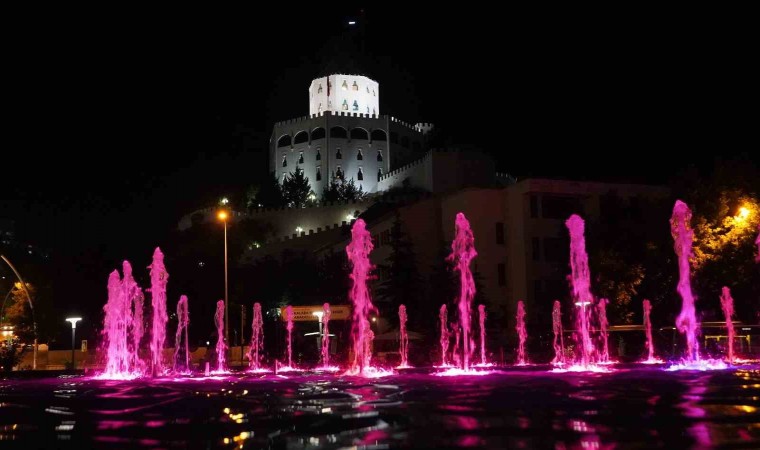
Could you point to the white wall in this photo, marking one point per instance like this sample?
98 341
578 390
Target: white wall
360 94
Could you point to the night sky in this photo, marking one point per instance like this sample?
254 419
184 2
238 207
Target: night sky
118 127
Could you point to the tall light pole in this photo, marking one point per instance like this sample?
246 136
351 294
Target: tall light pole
223 217
73 321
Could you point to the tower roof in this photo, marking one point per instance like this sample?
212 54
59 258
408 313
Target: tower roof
344 54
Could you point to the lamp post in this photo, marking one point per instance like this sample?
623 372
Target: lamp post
223 217
73 321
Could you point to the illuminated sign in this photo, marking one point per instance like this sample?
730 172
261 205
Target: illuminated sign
306 313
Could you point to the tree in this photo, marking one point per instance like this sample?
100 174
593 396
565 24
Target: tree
296 189
402 280
269 193
340 190
251 197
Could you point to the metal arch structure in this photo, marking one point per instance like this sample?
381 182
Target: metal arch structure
31 306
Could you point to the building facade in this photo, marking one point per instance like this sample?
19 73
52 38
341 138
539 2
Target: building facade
345 136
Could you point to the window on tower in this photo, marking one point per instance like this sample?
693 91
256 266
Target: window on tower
360 175
338 173
338 154
373 93
319 90
359 155
356 105
344 86
367 89
345 105
355 86
319 155
319 110
284 161
379 174
319 173
380 155
300 158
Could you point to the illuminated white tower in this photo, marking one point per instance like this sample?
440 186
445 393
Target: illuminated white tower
344 93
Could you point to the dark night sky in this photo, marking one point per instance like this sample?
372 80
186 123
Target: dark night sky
119 128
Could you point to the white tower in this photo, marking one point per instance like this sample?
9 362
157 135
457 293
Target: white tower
344 93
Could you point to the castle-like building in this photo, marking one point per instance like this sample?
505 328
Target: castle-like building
345 136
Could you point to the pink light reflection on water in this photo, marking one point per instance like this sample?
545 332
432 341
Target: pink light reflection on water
700 364
457 372
582 368
370 372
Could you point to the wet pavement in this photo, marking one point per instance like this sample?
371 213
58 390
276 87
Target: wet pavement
631 407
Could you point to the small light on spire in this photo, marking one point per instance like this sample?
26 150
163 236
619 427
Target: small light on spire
352 22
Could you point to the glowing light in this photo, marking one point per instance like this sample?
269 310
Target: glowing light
222 215
73 321
352 22
744 213
349 217
224 201
299 230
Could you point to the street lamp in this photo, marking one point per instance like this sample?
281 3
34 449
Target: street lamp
73 321
222 215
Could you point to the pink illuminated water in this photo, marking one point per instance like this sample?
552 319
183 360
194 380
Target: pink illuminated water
257 338
482 320
444 339
727 304
289 327
559 340
115 328
361 335
522 333
325 336
122 326
183 320
686 322
403 338
221 346
648 331
456 357
581 284
159 278
462 254
601 309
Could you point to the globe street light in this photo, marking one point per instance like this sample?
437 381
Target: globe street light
73 321
222 215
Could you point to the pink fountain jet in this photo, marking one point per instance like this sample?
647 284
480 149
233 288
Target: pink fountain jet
601 309
463 252
289 328
727 304
522 333
159 278
651 359
482 321
403 338
559 340
257 339
582 298
326 313
443 316
183 320
683 235
361 334
686 322
221 346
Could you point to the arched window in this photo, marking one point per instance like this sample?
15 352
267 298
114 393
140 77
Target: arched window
380 155
360 175
300 158
359 155
344 107
284 141
318 133
355 86
359 134
356 105
373 93
338 132
319 173
319 90
379 174
379 135
284 161
367 89
319 110
338 173
301 137
367 109
319 155
338 154
344 86
374 113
